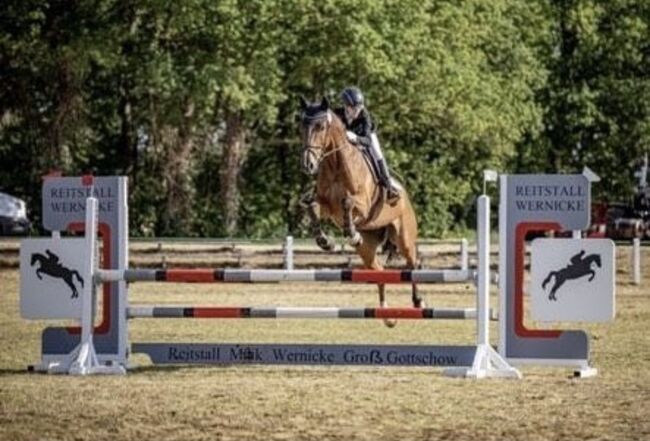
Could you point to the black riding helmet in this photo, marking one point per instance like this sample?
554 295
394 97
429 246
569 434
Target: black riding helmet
352 96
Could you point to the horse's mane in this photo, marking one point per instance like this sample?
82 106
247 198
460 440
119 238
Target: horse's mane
338 126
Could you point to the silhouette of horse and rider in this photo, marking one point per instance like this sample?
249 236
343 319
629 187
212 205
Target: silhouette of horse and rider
579 267
50 266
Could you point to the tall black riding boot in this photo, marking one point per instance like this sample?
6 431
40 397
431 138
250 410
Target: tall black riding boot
392 193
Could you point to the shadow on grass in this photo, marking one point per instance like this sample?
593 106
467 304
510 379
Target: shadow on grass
27 370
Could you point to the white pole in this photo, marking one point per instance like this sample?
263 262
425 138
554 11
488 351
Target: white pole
288 253
464 255
483 266
636 261
487 362
87 362
86 358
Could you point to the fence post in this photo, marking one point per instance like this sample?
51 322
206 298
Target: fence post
464 255
636 261
288 253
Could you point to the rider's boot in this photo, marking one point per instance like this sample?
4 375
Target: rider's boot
392 193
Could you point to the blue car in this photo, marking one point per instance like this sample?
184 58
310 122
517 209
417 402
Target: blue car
13 216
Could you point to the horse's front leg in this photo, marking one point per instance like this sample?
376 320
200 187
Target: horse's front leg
349 229
324 241
592 274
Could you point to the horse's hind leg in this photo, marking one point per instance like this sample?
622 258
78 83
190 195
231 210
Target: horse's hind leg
368 253
558 284
407 248
68 281
78 276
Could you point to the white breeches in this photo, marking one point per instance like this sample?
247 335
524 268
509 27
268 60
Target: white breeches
375 148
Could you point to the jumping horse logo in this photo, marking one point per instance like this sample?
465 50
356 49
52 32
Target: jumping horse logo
50 266
579 267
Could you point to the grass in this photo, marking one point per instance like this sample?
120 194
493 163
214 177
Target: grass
333 403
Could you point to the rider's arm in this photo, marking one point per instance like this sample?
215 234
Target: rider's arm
365 129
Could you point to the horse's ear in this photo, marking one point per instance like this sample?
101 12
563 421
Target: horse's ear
325 103
303 102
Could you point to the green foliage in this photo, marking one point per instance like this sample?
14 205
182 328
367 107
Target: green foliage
154 89
597 98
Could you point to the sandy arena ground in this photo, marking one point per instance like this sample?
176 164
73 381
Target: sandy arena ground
340 403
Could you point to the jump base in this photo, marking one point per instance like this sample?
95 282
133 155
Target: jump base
307 354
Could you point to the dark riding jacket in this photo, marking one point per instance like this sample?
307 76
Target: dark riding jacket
362 126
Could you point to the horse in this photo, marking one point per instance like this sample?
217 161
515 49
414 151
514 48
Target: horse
50 266
579 267
347 195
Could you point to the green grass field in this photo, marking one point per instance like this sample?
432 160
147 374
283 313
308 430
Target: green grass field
340 403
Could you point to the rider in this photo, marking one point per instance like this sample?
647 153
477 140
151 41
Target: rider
51 256
361 131
577 258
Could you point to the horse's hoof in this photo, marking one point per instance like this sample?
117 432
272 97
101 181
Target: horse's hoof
325 243
355 240
390 323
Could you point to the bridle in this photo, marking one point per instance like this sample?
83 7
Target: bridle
311 150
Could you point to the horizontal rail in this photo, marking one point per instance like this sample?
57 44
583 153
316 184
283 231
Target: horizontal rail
230 312
229 275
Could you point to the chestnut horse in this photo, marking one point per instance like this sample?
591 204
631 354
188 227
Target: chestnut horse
347 194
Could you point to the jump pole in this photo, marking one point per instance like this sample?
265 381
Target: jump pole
233 275
290 312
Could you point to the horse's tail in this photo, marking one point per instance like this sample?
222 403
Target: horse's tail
387 246
548 279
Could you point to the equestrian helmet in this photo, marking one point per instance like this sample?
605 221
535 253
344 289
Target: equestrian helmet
352 96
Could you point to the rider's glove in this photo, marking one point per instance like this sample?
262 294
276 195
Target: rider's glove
352 137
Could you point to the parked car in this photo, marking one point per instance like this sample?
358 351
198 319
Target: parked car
13 216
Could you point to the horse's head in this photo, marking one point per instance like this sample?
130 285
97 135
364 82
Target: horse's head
595 258
35 258
316 121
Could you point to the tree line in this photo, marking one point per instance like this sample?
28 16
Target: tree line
197 101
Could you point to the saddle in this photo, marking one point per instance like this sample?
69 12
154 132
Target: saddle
380 195
372 167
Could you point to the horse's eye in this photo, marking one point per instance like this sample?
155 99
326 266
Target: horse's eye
318 126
